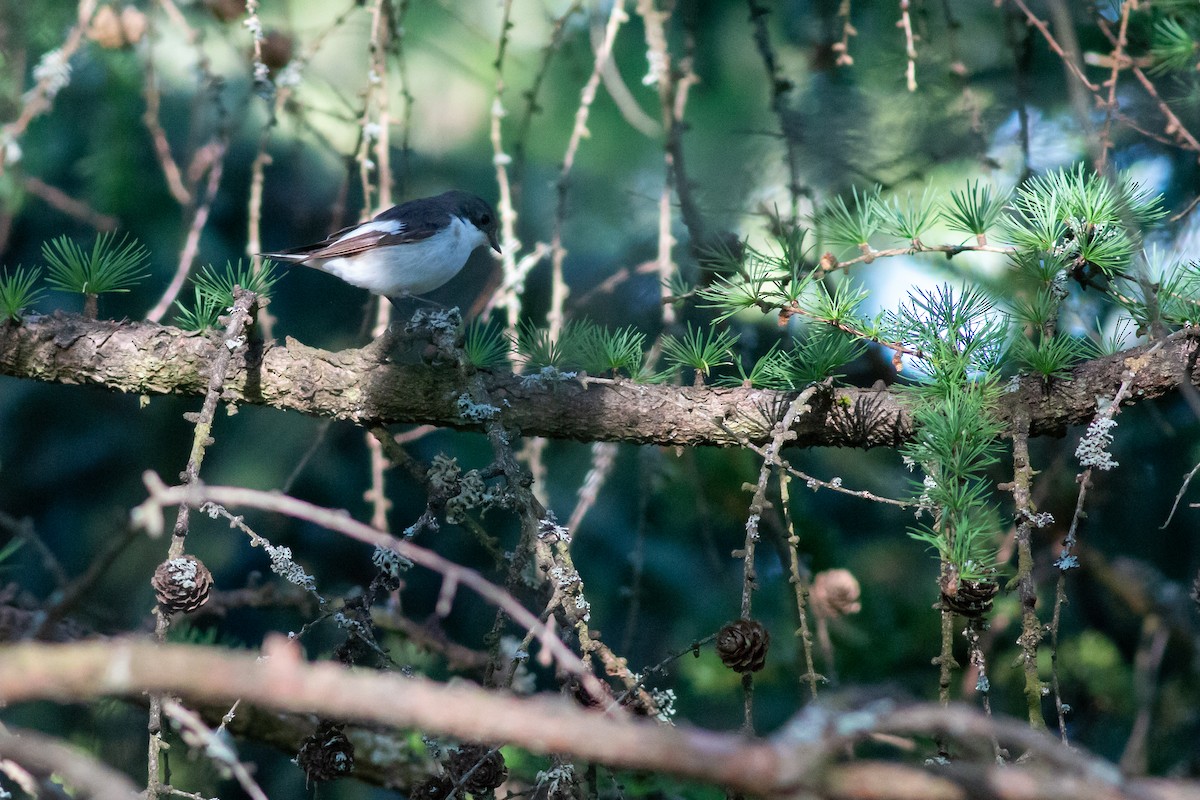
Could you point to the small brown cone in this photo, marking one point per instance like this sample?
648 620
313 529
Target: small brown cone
835 593
181 584
326 754
742 645
971 599
490 773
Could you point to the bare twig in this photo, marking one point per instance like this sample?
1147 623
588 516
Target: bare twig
807 752
46 756
191 245
233 339
62 201
604 456
1146 663
1110 106
1066 559
51 78
23 529
1187 479
162 146
910 47
799 584
1175 127
558 253
781 87
200 737
1068 61
194 496
1031 627
509 244
74 592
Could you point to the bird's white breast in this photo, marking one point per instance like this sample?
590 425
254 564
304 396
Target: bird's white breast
413 268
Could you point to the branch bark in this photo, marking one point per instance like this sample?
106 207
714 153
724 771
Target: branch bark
807 755
153 359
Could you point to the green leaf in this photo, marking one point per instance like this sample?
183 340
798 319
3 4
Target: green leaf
17 292
202 315
599 351
1173 47
849 227
111 266
220 284
700 349
485 345
910 220
975 210
213 292
1037 311
1051 357
822 353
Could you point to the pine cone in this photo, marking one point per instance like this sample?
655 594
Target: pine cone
326 754
971 599
277 50
490 773
181 584
742 645
835 593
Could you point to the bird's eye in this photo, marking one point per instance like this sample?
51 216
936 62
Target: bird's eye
486 219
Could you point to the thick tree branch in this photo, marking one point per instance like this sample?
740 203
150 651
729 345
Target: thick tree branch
807 755
153 359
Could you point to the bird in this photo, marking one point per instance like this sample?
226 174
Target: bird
409 249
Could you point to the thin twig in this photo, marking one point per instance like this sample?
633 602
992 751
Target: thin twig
1175 126
1069 62
233 337
23 529
40 99
811 482
1066 559
1146 665
202 739
75 591
799 584
62 201
663 76
758 504
910 47
558 253
149 514
509 244
191 245
604 456
781 87
1110 106
1187 479
1031 627
158 136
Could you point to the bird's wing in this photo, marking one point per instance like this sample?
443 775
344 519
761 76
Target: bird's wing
349 241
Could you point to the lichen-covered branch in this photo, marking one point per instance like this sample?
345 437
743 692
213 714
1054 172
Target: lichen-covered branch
152 359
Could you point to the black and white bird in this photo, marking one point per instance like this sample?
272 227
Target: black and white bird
409 249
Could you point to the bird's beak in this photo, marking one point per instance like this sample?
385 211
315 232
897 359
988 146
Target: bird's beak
494 241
